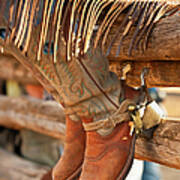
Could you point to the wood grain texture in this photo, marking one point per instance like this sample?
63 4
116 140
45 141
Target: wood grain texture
162 58
164 148
163 43
161 73
47 118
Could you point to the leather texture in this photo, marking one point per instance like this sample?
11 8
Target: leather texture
83 83
109 157
71 161
76 73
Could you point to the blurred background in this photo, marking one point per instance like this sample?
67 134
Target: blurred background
26 155
171 104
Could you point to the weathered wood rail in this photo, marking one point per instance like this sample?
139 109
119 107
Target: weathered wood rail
47 117
163 44
162 56
17 168
10 69
161 74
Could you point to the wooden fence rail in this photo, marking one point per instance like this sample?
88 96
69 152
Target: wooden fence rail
162 73
14 168
47 117
10 69
162 58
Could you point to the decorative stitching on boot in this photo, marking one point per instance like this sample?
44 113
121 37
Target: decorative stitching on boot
121 115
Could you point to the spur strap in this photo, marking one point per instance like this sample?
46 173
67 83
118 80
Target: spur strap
121 115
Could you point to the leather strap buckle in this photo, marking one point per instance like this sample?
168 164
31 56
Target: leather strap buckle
121 115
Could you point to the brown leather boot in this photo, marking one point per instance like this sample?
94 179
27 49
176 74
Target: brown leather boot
108 157
70 163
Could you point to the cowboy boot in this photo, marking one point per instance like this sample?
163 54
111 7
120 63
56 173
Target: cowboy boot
81 82
69 165
108 157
